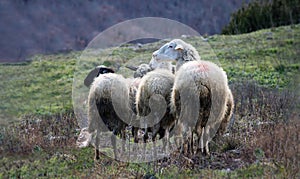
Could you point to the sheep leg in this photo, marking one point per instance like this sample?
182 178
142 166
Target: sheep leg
154 146
97 154
134 131
183 147
189 143
185 144
166 140
178 142
162 135
178 136
204 149
97 142
200 147
123 137
157 129
198 150
113 142
145 138
192 143
135 134
154 151
206 140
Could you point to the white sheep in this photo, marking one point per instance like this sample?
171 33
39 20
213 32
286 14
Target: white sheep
175 50
154 64
152 104
141 70
199 93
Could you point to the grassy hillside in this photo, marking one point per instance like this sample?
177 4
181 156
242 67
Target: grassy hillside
263 71
44 85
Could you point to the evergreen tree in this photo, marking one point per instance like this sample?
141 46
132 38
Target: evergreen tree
260 14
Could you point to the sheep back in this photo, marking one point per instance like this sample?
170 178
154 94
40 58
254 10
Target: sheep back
203 85
101 113
158 82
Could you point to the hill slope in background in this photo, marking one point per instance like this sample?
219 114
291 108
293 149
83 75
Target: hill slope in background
44 85
29 26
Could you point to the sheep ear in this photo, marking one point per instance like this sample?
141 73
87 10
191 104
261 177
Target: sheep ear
179 47
90 77
133 68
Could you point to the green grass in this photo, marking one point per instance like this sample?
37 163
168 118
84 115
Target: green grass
61 163
269 61
75 163
43 87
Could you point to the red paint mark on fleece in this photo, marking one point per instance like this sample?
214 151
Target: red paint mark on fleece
202 67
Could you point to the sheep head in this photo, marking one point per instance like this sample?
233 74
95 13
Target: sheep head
175 50
95 73
160 64
140 71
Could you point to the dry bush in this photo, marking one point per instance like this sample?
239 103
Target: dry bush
255 102
280 143
257 107
266 126
39 132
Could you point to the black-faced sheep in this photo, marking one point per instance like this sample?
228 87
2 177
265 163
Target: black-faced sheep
95 73
102 113
102 103
199 93
84 138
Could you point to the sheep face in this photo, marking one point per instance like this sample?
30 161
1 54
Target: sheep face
103 69
142 70
176 50
171 51
95 73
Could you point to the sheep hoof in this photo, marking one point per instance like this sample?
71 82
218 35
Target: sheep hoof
97 155
201 152
188 160
206 153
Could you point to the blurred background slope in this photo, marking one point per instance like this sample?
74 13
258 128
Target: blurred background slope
30 27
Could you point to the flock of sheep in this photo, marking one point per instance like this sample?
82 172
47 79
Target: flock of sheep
191 97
